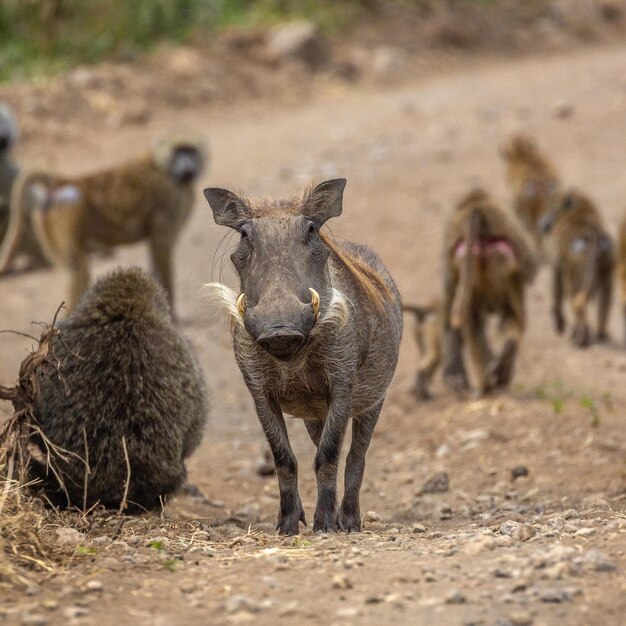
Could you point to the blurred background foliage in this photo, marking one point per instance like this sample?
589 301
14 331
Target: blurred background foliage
46 36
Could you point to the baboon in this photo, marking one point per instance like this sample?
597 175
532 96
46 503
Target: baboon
428 335
533 181
28 253
583 261
120 380
316 334
622 270
488 264
148 199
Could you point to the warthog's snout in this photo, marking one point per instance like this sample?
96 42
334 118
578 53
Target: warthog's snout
281 341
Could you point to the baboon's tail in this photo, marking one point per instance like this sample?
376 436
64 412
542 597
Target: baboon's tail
19 209
461 305
583 295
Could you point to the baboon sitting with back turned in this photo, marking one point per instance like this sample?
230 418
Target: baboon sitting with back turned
583 262
316 334
533 181
148 199
487 267
119 381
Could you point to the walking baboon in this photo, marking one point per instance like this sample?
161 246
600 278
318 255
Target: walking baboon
533 181
316 333
148 199
428 335
28 253
120 381
622 270
583 262
487 266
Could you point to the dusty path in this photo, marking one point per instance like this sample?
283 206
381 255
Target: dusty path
441 558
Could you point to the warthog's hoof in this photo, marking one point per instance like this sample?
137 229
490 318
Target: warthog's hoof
350 522
326 522
289 524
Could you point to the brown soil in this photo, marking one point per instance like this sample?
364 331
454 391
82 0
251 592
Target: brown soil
548 548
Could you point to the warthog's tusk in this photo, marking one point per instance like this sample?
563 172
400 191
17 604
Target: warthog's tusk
315 302
241 304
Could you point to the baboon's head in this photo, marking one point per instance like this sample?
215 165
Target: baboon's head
281 261
184 159
519 148
569 203
8 129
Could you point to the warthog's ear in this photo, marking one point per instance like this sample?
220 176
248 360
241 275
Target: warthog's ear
325 201
228 208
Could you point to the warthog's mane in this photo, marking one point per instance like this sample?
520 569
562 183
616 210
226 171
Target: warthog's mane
369 280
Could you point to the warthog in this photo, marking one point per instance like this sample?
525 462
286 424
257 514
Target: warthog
316 333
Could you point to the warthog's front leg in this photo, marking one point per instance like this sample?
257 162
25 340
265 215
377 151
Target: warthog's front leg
291 512
362 430
326 517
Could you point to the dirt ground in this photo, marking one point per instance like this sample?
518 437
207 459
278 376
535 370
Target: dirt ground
546 548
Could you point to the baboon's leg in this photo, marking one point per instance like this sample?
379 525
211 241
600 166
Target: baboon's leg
605 297
480 352
557 299
315 428
271 417
161 257
326 516
426 369
580 333
454 373
513 329
362 430
79 280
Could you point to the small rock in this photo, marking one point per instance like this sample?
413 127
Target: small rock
348 611
101 542
74 612
598 561
521 532
437 483
585 532
456 597
341 581
94 585
554 596
69 536
419 528
298 41
372 516
265 466
289 609
518 471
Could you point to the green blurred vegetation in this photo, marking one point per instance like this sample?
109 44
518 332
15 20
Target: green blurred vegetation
45 36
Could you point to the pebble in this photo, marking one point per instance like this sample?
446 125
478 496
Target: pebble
598 561
372 516
74 612
519 471
69 536
94 585
239 602
419 528
341 581
562 109
437 483
554 596
456 597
